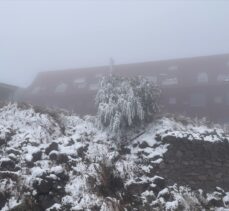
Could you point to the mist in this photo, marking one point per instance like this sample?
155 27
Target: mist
51 35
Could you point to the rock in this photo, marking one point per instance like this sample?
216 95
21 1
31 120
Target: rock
135 145
159 184
62 158
165 194
46 201
70 143
8 175
36 156
53 155
50 188
13 151
136 187
34 144
13 157
143 145
30 164
3 199
215 202
82 151
124 151
43 186
7 165
27 204
51 147
220 190
2 142
58 157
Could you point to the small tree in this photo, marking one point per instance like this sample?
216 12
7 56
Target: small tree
126 102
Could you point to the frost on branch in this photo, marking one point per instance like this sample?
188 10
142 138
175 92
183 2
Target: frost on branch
126 102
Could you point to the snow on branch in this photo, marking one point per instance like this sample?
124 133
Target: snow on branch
126 102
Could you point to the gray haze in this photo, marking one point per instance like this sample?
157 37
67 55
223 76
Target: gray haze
48 35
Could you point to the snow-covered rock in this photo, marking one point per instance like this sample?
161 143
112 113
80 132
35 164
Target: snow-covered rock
57 161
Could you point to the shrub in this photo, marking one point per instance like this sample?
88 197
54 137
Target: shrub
124 103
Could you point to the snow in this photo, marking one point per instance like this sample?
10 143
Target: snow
56 206
27 132
57 169
191 131
11 204
171 205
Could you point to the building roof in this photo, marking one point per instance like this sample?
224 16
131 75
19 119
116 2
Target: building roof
188 66
8 86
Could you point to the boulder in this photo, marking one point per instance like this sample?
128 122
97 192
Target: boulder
159 183
143 145
3 199
215 202
42 186
51 147
2 142
58 157
7 165
36 156
62 158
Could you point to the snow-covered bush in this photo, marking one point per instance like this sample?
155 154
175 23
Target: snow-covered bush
126 102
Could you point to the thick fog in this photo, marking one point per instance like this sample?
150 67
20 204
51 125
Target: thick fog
49 35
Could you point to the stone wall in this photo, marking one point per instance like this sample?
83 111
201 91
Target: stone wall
198 164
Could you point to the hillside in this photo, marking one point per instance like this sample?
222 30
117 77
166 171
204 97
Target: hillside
53 161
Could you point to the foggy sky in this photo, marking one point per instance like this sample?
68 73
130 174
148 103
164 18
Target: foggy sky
49 35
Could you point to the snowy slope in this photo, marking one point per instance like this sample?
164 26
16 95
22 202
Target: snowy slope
57 161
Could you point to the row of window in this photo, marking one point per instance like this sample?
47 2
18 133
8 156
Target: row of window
201 78
198 100
61 88
81 82
175 67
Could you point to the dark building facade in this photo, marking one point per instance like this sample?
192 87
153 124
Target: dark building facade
192 86
7 92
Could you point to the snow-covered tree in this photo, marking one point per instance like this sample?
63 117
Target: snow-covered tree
126 102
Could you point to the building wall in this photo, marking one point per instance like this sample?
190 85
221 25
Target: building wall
191 86
6 94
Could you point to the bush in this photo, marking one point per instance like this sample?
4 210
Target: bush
109 183
124 103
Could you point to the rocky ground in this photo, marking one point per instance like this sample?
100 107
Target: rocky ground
57 161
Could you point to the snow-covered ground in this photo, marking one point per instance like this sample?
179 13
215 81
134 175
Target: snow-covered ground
57 161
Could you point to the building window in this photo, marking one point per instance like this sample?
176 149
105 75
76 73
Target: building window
93 86
172 100
202 77
170 81
198 100
173 68
223 78
61 88
80 82
218 100
81 86
152 78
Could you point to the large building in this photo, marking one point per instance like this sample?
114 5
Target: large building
7 92
192 86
